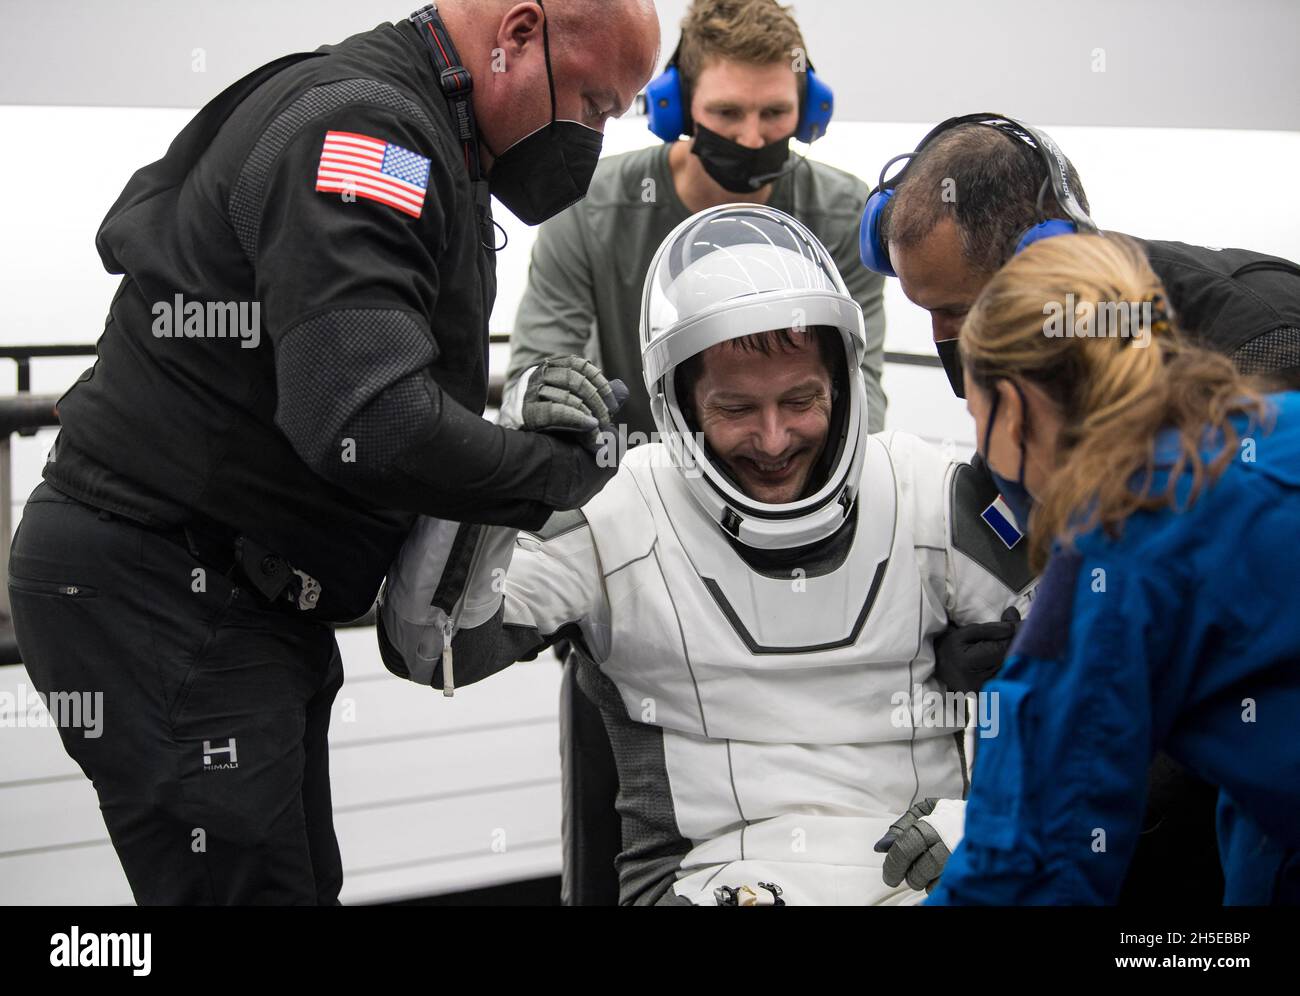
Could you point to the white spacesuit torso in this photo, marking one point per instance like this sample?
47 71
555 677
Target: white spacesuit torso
764 672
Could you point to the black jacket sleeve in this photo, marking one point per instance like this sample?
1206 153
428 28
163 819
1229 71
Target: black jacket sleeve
349 285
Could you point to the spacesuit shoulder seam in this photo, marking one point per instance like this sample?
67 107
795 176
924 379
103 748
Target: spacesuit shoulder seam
914 463
628 563
621 520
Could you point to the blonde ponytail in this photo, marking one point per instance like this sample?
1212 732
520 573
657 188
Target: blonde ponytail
1085 318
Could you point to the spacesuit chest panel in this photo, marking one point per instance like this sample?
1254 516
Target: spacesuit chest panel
702 643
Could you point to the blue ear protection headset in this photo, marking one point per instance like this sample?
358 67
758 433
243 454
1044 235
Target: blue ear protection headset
667 104
875 253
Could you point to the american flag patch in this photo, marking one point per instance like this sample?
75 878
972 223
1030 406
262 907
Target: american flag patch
375 169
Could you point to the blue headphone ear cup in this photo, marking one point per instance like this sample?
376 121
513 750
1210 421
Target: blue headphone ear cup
875 255
665 113
1045 230
818 106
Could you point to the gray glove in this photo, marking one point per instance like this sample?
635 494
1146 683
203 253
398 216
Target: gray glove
914 848
566 394
569 399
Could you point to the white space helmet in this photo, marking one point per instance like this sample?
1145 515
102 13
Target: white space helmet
733 271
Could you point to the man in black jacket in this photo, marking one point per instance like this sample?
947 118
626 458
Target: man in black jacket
958 211
970 193
293 368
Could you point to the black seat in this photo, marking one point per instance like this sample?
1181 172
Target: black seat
590 827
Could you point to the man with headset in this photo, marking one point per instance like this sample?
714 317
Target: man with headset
978 189
735 92
981 187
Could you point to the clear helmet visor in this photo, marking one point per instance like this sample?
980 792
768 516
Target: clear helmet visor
746 266
737 271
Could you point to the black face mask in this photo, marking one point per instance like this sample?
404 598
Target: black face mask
545 172
951 361
735 167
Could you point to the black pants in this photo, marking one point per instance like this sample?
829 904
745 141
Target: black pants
211 765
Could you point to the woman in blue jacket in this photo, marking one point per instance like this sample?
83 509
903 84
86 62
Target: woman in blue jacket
1165 497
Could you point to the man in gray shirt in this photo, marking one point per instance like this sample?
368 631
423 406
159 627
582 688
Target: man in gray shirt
743 92
740 87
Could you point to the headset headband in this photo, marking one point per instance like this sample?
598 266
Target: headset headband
673 63
1049 153
667 101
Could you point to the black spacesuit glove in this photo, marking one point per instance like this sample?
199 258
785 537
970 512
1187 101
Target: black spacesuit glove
968 656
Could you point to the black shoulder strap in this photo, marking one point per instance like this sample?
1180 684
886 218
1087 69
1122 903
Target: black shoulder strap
457 89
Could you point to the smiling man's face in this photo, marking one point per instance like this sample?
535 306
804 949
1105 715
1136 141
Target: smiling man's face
766 416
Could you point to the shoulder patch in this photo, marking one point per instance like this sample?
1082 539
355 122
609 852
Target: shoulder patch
982 528
370 167
558 524
247 193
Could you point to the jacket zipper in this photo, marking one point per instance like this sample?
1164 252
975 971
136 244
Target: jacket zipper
52 588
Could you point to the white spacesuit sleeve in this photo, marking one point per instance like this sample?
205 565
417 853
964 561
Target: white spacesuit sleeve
555 590
462 602
949 821
446 578
984 576
966 566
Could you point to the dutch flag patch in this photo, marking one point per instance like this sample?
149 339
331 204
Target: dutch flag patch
1001 521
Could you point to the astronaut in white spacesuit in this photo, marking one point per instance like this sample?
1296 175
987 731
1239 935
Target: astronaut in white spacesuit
757 593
